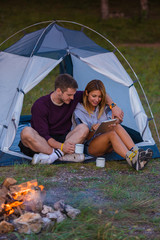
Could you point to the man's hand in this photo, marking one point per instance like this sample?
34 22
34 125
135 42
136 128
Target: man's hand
117 113
68 147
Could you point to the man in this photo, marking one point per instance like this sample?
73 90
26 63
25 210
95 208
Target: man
50 135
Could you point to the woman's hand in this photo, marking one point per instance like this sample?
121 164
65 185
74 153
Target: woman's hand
94 127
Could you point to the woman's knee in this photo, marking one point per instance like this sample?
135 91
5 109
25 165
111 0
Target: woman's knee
118 126
110 133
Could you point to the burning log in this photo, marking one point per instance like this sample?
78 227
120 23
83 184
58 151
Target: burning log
19 191
8 182
23 196
3 194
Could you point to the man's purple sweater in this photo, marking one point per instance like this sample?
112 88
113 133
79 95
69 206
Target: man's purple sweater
49 119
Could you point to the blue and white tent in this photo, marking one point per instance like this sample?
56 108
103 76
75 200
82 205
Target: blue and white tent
28 61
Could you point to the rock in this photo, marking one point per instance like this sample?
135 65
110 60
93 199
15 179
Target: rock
47 224
56 215
46 209
6 227
60 205
71 212
46 221
67 209
28 223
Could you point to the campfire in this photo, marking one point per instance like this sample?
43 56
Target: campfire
22 208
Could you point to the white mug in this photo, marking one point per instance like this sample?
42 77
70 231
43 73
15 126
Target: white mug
100 162
79 148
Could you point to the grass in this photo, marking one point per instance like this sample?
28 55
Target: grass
131 28
116 202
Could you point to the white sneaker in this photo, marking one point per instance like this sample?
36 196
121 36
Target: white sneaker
75 157
40 158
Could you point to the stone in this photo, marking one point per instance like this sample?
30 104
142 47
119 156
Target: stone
71 212
46 209
48 224
56 216
6 227
60 205
28 223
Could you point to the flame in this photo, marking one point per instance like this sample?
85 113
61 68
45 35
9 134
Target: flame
26 193
9 207
25 189
41 187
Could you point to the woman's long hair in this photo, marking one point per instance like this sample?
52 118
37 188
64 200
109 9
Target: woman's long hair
92 86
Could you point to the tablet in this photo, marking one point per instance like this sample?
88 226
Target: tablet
103 127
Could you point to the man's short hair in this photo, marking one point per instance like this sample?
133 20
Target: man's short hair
64 81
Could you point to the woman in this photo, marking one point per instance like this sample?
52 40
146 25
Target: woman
92 112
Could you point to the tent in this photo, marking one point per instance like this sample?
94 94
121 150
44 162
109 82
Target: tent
31 58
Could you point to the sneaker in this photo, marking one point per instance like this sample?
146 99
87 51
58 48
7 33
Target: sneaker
140 164
148 156
131 158
135 159
75 157
40 158
144 157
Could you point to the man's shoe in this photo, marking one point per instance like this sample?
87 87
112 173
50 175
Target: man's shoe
75 157
40 158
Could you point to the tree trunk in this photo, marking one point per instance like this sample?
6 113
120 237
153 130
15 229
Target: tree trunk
104 9
144 8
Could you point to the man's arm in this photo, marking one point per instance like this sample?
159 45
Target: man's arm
116 111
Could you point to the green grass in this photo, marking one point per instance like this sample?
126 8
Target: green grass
115 202
131 28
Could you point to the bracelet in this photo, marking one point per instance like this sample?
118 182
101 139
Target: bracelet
112 105
62 147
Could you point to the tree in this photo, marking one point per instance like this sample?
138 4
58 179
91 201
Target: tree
104 9
144 8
